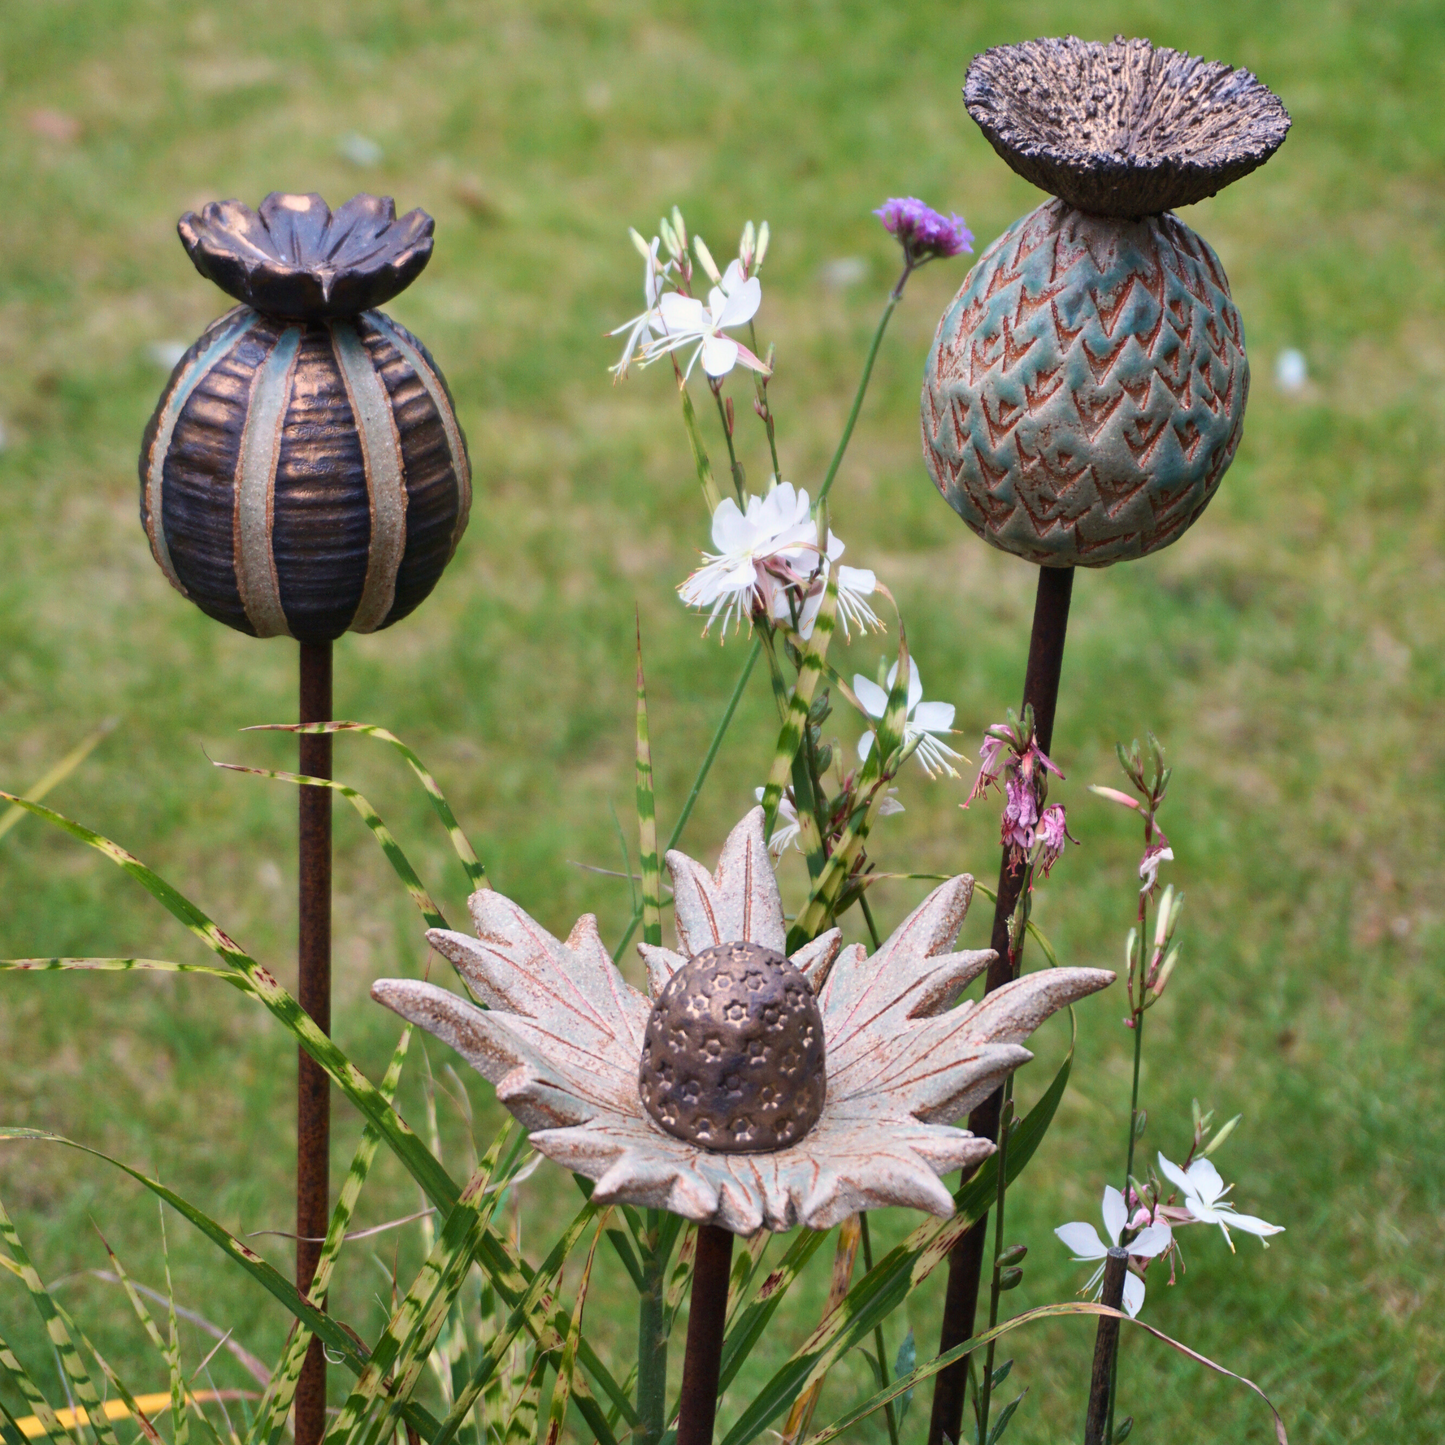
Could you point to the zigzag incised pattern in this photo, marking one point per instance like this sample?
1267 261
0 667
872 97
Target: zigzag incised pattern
1086 388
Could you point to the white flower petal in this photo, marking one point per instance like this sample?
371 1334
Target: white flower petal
683 316
1083 1239
1133 1294
1151 1240
933 717
873 697
742 305
1204 1181
1250 1224
1116 1213
719 355
1175 1175
865 746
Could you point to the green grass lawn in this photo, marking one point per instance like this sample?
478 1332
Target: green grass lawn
1287 650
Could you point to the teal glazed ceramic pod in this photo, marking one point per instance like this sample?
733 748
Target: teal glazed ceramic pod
304 473
1085 392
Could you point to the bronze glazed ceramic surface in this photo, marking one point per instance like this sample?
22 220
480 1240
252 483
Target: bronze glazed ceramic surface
1126 129
304 473
1086 389
733 1053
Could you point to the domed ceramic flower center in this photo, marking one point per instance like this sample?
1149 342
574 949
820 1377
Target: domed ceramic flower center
733 1055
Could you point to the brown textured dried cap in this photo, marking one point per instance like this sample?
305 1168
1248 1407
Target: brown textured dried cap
293 258
1125 129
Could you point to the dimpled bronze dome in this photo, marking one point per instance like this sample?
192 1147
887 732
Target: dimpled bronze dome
732 1059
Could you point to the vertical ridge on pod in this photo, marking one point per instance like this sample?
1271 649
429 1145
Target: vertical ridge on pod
187 378
255 500
386 482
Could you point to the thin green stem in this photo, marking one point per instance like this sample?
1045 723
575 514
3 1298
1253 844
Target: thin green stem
868 919
894 297
760 385
986 1387
702 772
883 1380
652 1336
722 413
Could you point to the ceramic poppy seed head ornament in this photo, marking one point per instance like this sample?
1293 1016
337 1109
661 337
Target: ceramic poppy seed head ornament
1086 388
304 473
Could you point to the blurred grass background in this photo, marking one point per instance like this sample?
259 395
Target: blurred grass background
1288 650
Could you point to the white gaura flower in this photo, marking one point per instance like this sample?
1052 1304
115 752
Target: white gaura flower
561 1037
1204 1193
927 721
648 324
855 586
735 579
1084 1240
685 320
787 828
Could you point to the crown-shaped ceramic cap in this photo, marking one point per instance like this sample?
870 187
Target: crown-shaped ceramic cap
293 258
1126 129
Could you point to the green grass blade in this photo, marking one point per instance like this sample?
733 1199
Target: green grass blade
567 1366
87 1397
237 981
894 1277
461 845
400 863
522 1417
137 1414
10 1431
423 1166
271 1415
810 670
752 1323
57 775
704 768
1042 1312
400 1353
54 1432
530 1305
647 816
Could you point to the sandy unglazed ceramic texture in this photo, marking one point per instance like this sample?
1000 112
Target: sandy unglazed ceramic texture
562 1037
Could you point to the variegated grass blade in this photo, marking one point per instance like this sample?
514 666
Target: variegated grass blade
567 1365
57 775
461 845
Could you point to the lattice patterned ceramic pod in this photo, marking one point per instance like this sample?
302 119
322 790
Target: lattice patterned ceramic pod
1086 388
573 1049
304 473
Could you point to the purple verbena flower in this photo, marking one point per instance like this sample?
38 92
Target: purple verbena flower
923 232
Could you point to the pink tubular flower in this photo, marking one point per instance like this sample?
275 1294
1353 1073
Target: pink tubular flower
1051 833
923 232
1020 814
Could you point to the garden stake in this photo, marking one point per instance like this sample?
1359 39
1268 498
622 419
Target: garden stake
313 958
1096 1423
965 1262
304 475
702 1361
1086 388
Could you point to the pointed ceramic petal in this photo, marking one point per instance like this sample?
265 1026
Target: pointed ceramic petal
815 960
1011 1013
661 963
738 904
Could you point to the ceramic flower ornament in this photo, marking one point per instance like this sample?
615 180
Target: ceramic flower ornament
749 1090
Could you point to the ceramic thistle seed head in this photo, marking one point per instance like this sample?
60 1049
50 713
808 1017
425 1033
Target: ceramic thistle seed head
1086 388
304 473
571 1047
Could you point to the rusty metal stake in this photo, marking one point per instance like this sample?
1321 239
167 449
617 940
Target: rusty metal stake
1096 1423
965 1261
702 1363
313 954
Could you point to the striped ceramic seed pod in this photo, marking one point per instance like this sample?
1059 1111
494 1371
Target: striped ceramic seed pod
304 473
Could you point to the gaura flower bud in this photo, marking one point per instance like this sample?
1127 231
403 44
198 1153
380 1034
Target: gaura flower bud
1012 1255
1162 981
1010 1278
705 260
1161 926
762 247
1223 1134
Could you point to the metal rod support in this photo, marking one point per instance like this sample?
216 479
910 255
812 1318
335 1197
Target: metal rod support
965 1262
701 1365
313 954
1105 1344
